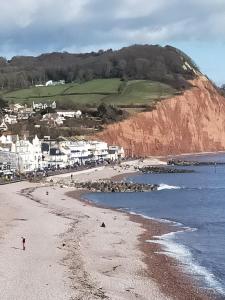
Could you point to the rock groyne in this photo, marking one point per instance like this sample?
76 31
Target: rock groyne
186 163
163 170
111 186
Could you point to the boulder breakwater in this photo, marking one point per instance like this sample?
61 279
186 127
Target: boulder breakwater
186 163
163 170
108 186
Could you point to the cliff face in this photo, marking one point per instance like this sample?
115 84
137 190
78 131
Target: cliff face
192 122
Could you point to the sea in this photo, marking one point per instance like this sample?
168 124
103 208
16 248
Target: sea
195 204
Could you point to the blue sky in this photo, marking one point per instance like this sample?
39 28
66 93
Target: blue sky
31 27
209 56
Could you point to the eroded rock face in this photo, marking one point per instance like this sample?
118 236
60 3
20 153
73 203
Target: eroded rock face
192 122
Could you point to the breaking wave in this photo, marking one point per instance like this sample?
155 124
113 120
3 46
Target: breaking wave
164 186
184 255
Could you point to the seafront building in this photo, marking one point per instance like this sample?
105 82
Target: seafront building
78 152
29 154
24 155
8 162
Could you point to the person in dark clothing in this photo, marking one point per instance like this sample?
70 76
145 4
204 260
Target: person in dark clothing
103 225
23 242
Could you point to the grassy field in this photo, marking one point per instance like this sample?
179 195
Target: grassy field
98 86
94 92
37 92
140 92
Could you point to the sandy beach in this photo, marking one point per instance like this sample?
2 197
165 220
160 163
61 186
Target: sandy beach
70 256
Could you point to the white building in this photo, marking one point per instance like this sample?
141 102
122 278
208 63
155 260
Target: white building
8 162
53 83
53 119
53 156
3 126
49 83
28 153
82 151
39 106
99 150
70 114
78 114
16 107
77 151
115 153
57 158
10 119
6 142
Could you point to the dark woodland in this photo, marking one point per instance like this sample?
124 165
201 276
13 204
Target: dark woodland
150 62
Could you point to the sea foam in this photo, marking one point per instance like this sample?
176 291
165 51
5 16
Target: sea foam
180 252
164 186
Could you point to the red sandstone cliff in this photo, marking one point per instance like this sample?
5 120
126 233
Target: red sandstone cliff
192 122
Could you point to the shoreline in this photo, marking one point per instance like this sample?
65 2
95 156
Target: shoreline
112 263
174 267
166 271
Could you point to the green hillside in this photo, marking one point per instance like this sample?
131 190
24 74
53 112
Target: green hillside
140 92
94 92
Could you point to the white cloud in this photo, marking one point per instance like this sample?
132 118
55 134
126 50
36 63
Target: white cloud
142 8
24 13
154 33
45 25
16 13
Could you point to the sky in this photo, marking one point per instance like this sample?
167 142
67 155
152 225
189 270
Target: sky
32 27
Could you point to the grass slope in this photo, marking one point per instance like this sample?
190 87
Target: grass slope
111 91
141 92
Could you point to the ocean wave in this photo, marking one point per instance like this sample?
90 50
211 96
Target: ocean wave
166 221
149 218
184 256
164 186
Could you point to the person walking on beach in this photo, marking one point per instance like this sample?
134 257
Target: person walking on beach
23 242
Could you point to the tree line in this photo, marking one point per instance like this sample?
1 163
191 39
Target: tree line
150 62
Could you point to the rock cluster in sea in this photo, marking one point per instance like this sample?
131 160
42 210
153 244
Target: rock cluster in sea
163 170
185 163
112 186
